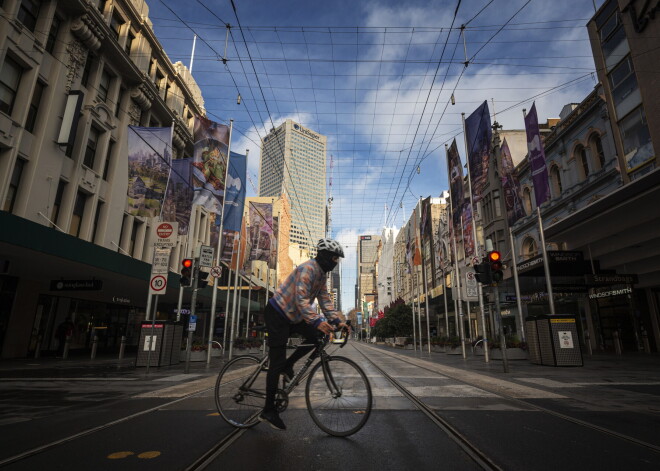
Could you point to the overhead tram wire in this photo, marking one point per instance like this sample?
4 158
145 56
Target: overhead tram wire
458 5
231 75
479 50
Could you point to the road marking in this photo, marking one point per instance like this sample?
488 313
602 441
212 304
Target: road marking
549 383
180 377
120 455
147 455
181 390
68 379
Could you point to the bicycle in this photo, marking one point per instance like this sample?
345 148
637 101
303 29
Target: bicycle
337 392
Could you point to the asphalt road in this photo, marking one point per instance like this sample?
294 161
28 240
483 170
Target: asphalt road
495 412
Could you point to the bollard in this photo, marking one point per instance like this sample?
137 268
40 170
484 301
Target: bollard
94 343
617 343
65 353
645 340
122 346
587 340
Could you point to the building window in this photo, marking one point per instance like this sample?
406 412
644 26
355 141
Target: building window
582 162
637 145
116 23
10 78
527 200
90 150
529 248
97 216
52 34
28 13
34 107
106 168
58 201
555 179
613 40
159 80
104 86
87 70
78 213
14 183
129 43
625 91
497 204
597 150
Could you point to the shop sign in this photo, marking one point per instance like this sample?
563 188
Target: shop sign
562 262
76 285
600 293
120 300
610 279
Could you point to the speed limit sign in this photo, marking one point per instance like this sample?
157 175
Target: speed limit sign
158 284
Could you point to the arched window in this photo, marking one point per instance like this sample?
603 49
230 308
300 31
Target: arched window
527 200
555 179
597 150
529 248
582 162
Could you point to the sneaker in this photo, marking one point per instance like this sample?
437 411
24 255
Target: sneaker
273 418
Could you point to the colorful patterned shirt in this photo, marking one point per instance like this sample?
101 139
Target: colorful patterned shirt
294 297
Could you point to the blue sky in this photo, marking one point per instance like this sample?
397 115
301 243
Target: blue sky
369 75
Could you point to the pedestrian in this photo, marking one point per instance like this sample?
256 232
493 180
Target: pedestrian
63 332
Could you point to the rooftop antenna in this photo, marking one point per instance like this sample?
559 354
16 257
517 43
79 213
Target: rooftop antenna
192 54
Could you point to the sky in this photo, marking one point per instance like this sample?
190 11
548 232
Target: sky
376 78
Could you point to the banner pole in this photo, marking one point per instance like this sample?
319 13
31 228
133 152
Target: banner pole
218 257
480 292
233 308
516 284
546 265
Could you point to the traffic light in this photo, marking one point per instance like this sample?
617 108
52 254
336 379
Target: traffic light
186 272
495 261
482 273
202 276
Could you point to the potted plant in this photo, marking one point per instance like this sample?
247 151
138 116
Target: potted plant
453 346
515 349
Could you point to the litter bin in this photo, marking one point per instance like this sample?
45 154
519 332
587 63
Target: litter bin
165 344
553 340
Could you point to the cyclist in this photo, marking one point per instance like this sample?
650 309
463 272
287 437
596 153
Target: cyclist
290 311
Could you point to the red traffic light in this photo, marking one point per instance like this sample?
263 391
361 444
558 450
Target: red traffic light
494 256
187 262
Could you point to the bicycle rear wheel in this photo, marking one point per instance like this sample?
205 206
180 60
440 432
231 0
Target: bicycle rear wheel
339 397
239 393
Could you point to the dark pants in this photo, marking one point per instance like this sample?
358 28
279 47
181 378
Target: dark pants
279 329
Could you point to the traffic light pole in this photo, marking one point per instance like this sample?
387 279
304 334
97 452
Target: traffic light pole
193 305
498 314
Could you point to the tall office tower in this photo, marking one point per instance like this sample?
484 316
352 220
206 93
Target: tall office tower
293 162
335 286
367 251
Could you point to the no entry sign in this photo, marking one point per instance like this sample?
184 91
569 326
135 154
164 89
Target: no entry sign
165 234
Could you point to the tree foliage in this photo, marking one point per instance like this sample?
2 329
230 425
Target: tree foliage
396 323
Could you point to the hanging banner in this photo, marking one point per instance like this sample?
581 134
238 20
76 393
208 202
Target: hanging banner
455 175
260 216
478 134
510 187
468 238
210 163
179 196
426 231
149 157
235 191
537 158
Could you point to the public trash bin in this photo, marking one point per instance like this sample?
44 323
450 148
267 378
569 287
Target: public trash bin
553 340
164 343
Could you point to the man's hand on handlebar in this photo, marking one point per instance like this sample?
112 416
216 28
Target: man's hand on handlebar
345 326
326 328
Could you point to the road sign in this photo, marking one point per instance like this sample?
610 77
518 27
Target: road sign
471 291
158 284
192 324
206 256
216 272
165 234
161 262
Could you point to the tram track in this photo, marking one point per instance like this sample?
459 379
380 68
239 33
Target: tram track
517 400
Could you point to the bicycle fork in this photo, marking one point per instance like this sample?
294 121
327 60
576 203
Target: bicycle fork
334 389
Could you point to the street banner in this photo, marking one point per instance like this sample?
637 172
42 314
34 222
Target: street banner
537 158
149 156
235 191
210 163
468 238
426 229
179 196
478 134
510 186
455 175
260 234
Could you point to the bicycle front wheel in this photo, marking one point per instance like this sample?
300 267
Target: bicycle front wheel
338 396
240 391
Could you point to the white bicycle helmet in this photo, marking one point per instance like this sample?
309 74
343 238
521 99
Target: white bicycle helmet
330 245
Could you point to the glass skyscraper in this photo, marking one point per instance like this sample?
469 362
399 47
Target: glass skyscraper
293 161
